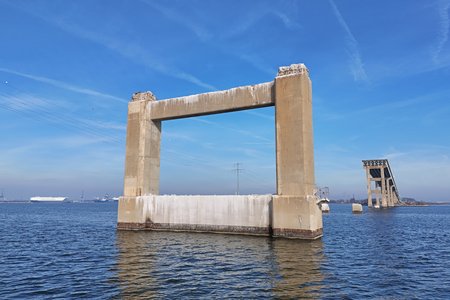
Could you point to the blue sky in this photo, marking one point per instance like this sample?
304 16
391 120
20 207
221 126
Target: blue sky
381 89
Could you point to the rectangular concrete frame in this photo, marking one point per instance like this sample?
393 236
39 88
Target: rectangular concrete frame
291 213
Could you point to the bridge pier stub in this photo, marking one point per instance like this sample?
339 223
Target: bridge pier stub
295 213
390 201
393 196
388 195
378 195
383 188
142 162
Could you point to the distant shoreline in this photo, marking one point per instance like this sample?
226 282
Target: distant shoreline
405 205
422 204
28 201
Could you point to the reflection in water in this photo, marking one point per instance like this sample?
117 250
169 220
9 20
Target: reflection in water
135 259
174 264
299 265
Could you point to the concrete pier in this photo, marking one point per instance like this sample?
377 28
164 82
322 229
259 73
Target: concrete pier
293 212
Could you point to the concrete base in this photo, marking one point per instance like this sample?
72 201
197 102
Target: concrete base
296 217
225 214
250 214
301 234
357 208
246 230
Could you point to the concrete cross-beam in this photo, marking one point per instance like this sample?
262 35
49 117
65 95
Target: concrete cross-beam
240 98
293 212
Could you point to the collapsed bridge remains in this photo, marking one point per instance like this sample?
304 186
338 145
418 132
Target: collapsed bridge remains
291 213
381 183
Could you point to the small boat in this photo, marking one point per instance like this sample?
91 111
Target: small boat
323 204
322 199
105 198
324 207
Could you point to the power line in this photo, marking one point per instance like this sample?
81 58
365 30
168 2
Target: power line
43 113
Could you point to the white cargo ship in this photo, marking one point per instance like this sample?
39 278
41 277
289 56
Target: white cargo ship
47 199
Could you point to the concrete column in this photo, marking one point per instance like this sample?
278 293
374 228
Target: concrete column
383 188
142 158
369 188
393 196
389 193
377 195
295 212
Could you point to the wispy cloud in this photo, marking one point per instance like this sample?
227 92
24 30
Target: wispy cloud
240 131
50 112
356 63
25 102
75 141
132 51
394 105
264 116
256 62
63 85
257 14
249 152
88 154
422 171
287 21
179 136
104 125
60 142
394 155
206 36
202 33
177 157
444 23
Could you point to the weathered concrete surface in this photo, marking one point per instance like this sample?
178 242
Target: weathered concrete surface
250 214
130 214
246 97
296 217
295 213
357 208
142 148
294 134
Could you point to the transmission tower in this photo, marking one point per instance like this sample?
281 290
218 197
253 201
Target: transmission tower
238 170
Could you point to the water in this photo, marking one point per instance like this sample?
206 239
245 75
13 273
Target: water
73 251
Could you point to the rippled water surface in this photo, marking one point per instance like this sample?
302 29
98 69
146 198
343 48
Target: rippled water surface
74 251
